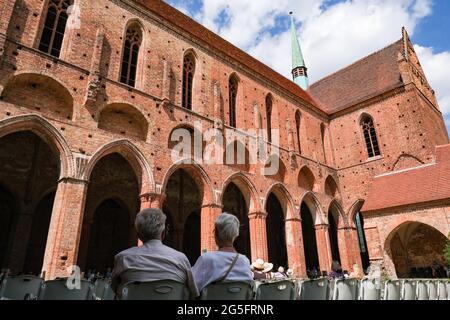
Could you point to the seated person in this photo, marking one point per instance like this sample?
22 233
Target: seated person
336 270
214 266
261 270
153 260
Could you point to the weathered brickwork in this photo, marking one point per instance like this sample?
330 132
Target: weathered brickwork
113 142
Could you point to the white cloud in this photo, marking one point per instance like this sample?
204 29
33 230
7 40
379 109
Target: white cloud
332 35
436 67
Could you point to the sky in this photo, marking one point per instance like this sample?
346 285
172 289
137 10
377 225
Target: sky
332 33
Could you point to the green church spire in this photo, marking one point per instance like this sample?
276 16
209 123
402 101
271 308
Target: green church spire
299 70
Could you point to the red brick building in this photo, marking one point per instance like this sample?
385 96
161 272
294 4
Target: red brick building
88 105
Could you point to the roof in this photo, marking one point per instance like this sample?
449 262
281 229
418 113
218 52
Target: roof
211 39
422 184
364 79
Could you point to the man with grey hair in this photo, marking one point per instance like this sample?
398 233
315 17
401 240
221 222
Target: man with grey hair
225 264
153 260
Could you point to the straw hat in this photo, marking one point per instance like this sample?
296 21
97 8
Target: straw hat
258 264
267 267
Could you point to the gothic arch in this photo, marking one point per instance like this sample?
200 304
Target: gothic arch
285 199
49 95
306 179
310 199
406 161
331 187
338 213
200 176
45 130
354 209
134 157
247 188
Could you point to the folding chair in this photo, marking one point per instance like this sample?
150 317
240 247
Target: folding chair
392 290
155 290
370 289
21 288
345 289
314 289
278 290
60 289
228 291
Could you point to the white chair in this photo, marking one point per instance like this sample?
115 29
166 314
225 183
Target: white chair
392 290
370 289
442 290
422 290
432 289
409 290
345 289
313 289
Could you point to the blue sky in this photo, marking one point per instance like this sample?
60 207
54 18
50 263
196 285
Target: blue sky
333 33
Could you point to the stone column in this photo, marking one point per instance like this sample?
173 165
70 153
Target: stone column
65 228
294 245
349 248
323 247
258 236
208 215
152 200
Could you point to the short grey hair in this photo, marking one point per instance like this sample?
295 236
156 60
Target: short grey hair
150 224
227 227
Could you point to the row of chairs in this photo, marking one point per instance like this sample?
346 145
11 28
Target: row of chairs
33 288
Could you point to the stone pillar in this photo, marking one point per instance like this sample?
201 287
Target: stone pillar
208 215
152 200
323 247
6 11
19 245
258 236
294 245
349 248
65 228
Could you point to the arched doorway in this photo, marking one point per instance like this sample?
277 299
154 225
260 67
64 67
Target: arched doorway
112 203
415 248
276 232
109 235
309 239
333 221
364 252
29 168
234 203
182 207
7 214
38 236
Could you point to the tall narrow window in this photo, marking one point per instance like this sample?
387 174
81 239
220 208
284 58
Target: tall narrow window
54 27
269 117
370 137
297 127
322 134
188 78
133 40
233 91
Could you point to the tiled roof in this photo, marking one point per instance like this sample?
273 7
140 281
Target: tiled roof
417 185
364 79
211 39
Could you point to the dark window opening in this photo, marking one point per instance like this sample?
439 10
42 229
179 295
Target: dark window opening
54 27
130 55
233 90
188 79
370 137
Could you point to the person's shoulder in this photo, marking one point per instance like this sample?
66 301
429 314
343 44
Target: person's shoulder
244 259
175 253
127 252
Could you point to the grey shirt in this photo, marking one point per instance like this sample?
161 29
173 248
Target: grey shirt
212 266
150 262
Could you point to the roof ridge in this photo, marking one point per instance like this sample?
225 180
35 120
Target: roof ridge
241 57
354 64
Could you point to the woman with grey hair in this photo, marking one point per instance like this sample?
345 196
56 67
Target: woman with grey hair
225 264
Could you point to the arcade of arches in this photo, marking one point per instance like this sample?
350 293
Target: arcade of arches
30 188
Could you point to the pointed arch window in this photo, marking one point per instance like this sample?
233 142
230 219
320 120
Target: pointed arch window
370 137
54 27
269 107
233 91
132 44
188 80
297 127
